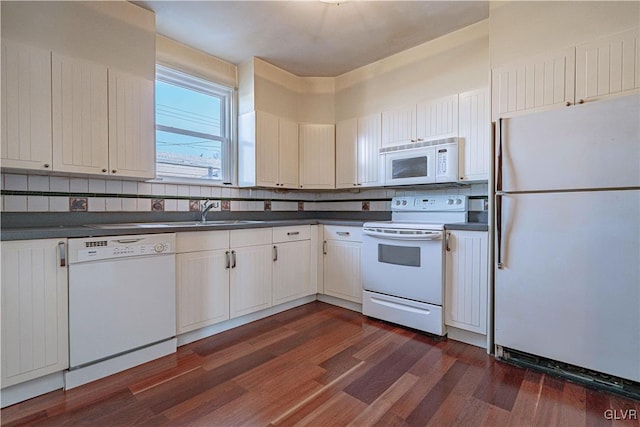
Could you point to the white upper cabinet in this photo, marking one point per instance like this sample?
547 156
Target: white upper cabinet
132 138
266 140
358 162
538 83
437 119
429 120
475 136
347 153
80 126
268 151
608 66
370 165
399 126
26 107
288 154
317 156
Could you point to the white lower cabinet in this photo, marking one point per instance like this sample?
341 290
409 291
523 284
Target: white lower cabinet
34 309
250 279
466 280
291 263
341 266
202 279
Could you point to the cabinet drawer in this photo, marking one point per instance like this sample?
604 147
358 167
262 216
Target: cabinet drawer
337 232
195 241
291 234
250 237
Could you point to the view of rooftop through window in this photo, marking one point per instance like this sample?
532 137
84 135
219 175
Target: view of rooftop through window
190 127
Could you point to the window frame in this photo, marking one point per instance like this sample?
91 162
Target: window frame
193 81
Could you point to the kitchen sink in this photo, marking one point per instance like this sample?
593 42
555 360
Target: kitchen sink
171 224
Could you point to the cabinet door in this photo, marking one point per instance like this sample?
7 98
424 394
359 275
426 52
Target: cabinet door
291 271
202 289
475 134
608 66
34 310
317 156
370 163
466 281
132 141
539 83
342 278
347 153
267 135
288 170
437 119
26 107
79 106
399 126
250 282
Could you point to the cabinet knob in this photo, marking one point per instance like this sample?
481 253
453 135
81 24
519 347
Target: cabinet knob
114 171
568 104
46 165
104 170
581 101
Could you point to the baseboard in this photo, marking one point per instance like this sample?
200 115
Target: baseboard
349 305
29 389
207 331
468 337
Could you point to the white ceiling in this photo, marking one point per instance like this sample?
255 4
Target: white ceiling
311 38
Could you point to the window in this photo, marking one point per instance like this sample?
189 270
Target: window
193 127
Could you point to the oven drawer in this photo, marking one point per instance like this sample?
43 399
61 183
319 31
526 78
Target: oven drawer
338 232
416 315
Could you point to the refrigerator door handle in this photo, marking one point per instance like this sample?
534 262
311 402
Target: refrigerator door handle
499 157
499 263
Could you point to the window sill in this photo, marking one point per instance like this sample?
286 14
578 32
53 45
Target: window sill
190 181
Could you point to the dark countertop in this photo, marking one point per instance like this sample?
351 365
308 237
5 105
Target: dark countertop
71 231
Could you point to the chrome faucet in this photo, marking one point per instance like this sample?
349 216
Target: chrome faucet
205 208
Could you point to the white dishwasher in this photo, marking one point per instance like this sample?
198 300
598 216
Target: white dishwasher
121 303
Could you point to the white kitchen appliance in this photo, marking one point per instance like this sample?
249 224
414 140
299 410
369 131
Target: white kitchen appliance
122 309
403 261
567 276
425 162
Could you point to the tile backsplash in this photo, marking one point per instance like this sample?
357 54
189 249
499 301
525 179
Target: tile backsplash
39 193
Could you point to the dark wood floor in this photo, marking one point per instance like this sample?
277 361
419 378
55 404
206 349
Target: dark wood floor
321 365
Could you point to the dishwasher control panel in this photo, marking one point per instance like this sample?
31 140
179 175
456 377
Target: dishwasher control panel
101 248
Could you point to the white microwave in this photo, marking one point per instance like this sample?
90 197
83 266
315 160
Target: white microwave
426 162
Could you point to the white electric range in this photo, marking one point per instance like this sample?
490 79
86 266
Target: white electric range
403 261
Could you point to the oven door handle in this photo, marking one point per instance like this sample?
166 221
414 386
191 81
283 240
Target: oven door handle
424 235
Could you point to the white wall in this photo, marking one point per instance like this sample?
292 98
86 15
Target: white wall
521 29
119 34
179 56
453 63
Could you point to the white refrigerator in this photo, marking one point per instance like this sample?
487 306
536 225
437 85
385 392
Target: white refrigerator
567 248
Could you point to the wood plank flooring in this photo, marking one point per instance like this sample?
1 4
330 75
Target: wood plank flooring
320 365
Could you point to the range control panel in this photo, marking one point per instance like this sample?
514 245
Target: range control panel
100 248
439 203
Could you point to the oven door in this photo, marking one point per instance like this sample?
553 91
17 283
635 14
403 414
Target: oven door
403 264
406 167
